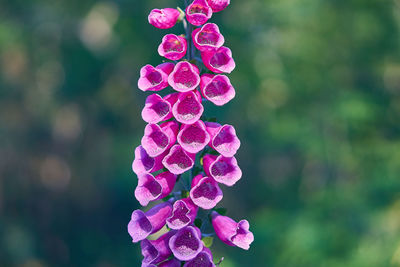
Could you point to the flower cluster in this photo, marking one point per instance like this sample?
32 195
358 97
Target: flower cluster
178 137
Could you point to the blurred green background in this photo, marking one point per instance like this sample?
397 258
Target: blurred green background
317 110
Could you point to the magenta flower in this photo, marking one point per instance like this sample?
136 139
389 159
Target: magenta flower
219 60
188 109
223 138
154 79
231 232
217 88
164 18
143 224
175 134
198 12
157 139
203 259
186 243
205 192
185 77
178 160
184 213
156 251
144 163
208 37
218 5
193 137
151 188
172 47
156 109
222 169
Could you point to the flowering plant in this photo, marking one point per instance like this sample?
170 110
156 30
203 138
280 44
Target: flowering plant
185 157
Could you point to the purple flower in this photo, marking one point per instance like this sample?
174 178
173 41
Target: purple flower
217 88
231 232
219 60
172 47
188 109
156 109
185 77
158 138
151 188
198 12
218 5
224 170
186 243
156 251
223 138
205 192
193 137
184 213
143 224
144 163
163 18
208 37
203 259
154 79
178 160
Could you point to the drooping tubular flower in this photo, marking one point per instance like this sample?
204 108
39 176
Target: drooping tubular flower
219 60
188 108
172 47
205 192
208 37
222 169
217 88
185 156
143 224
198 12
231 232
185 77
164 18
154 79
186 243
223 138
184 212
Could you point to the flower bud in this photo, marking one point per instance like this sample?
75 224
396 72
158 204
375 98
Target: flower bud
164 18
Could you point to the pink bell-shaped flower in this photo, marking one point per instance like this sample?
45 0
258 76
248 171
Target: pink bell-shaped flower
158 138
217 88
151 188
223 138
208 37
186 244
184 213
156 109
231 232
185 77
178 160
164 18
198 12
172 47
143 224
193 137
188 109
155 78
219 60
205 192
222 169
144 163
